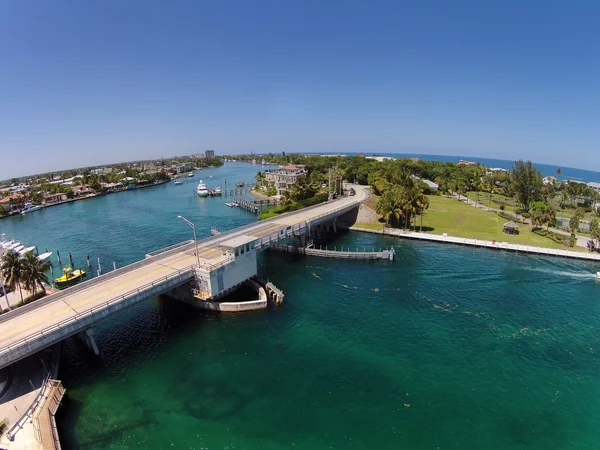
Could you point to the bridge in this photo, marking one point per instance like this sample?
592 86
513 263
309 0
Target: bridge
223 262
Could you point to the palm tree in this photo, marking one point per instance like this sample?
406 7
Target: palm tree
11 267
34 272
558 173
423 204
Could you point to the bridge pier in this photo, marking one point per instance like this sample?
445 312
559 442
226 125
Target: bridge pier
87 337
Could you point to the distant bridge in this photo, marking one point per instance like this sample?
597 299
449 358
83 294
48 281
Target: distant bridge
225 262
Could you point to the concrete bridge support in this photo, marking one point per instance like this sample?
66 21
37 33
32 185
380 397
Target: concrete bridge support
87 337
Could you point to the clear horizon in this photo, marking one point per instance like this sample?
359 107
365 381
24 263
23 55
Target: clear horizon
353 153
88 84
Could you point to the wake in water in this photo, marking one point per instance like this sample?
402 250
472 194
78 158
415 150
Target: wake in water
565 273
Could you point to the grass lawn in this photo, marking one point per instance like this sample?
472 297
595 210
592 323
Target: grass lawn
497 200
448 215
372 202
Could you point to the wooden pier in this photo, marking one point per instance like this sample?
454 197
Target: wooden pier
254 206
338 254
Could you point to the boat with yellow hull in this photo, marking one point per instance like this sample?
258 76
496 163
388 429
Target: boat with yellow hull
69 277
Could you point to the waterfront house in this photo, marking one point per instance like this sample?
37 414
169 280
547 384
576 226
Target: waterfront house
463 162
82 190
549 180
112 187
12 202
284 178
54 198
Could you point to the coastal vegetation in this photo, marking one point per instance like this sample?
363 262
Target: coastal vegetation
25 273
56 187
405 197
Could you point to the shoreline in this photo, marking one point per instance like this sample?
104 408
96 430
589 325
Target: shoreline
493 245
88 197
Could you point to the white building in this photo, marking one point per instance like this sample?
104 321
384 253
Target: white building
595 186
284 178
549 180
380 158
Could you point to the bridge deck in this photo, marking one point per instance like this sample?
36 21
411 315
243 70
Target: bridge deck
34 319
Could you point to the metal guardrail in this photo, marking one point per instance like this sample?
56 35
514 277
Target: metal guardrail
91 310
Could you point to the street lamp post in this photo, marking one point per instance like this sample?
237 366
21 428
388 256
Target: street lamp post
195 240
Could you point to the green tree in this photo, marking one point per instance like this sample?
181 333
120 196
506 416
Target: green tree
558 173
595 230
33 272
576 219
11 267
527 183
538 214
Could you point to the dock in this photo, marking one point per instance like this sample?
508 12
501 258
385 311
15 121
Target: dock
338 254
254 206
494 245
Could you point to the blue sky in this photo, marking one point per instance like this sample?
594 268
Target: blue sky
85 83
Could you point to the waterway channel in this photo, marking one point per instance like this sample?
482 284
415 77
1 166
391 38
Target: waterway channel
447 347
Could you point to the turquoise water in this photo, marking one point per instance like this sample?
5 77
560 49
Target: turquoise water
446 347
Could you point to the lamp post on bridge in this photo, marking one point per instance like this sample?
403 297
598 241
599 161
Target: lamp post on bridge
195 240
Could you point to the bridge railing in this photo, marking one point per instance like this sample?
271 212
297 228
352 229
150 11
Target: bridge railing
188 245
15 345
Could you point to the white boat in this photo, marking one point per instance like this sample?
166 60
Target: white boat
44 256
13 246
18 249
201 189
26 250
7 243
30 208
597 274
218 190
231 204
190 175
178 181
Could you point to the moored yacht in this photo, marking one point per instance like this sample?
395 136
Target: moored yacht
201 189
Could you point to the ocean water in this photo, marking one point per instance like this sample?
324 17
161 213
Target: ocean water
447 347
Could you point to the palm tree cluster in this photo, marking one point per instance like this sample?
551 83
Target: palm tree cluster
403 202
24 272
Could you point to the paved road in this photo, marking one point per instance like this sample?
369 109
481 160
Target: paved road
83 298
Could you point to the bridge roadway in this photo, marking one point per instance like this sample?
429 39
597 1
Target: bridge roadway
37 325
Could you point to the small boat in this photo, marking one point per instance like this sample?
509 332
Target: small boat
26 250
218 190
597 274
30 208
190 175
240 184
178 181
231 204
18 249
69 277
131 186
201 189
44 256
